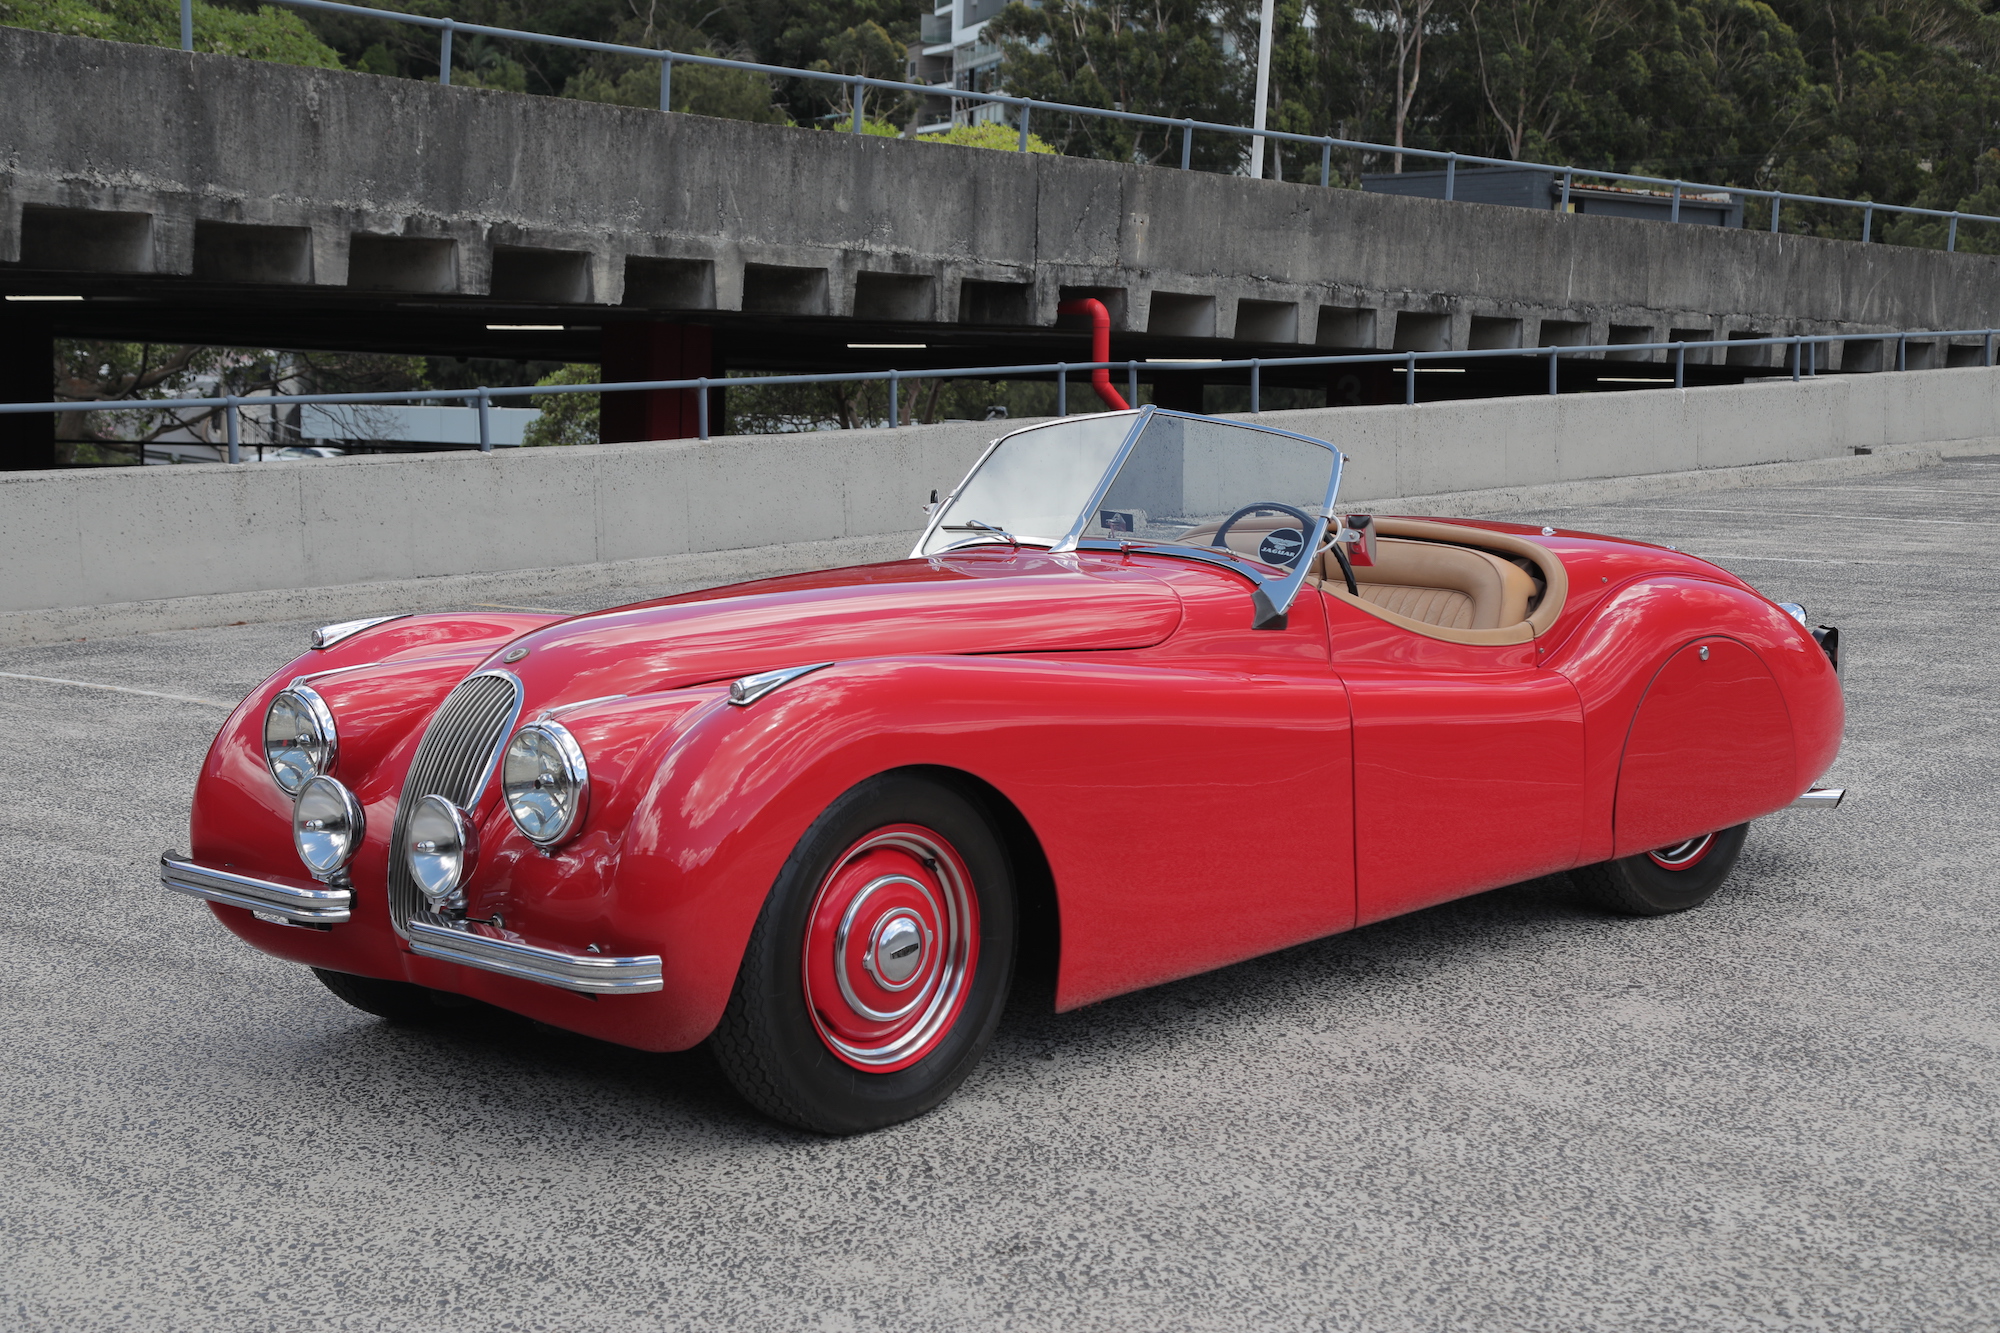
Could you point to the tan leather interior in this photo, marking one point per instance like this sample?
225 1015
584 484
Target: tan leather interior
1455 583
1439 579
1451 587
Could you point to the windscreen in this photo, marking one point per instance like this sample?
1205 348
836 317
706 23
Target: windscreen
1033 485
1201 482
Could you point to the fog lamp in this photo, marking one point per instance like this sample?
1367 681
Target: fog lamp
327 826
440 846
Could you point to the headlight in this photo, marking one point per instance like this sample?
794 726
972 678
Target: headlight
545 783
440 846
299 741
327 825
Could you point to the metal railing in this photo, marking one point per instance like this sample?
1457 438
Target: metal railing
858 86
1804 358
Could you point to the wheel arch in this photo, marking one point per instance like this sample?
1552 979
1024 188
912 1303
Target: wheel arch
1039 951
735 789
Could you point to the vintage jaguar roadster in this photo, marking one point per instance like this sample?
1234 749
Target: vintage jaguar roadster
1141 702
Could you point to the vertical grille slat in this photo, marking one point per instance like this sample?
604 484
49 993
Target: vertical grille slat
458 745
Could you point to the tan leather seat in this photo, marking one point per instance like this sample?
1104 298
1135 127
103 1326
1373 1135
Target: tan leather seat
1452 587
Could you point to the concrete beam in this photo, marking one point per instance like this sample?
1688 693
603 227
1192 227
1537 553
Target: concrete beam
405 187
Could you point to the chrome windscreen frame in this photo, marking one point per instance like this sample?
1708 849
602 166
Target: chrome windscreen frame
1273 596
938 511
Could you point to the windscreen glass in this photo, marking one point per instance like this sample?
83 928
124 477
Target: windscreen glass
1207 483
1033 485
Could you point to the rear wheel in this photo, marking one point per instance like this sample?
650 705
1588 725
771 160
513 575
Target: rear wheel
878 968
1666 879
397 1001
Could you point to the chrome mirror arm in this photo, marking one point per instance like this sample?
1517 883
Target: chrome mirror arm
1272 600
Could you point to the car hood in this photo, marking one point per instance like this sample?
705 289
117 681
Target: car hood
972 603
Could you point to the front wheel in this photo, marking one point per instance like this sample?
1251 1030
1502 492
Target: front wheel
1665 880
878 968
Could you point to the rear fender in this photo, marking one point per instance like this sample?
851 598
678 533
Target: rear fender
1634 633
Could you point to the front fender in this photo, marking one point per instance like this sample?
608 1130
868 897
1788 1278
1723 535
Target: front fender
1130 773
734 791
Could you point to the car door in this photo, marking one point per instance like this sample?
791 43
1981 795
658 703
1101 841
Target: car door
1192 799
1468 764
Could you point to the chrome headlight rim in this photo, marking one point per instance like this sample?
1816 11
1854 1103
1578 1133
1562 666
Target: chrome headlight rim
574 770
319 757
340 805
441 871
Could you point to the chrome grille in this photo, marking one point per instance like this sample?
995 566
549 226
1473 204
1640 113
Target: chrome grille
454 760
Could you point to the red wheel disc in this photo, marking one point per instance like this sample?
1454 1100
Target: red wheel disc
890 948
1682 855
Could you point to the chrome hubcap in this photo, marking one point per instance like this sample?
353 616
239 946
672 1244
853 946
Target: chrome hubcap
897 951
890 948
1682 855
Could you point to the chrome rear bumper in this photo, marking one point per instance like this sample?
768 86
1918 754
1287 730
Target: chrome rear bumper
592 974
1819 798
322 906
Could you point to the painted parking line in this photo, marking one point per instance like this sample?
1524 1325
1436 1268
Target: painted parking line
117 689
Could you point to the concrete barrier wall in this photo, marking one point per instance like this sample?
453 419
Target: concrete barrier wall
119 535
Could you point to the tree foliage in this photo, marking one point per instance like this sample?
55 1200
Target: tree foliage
1892 100
95 371
265 32
1896 102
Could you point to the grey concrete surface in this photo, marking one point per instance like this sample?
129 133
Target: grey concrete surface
1777 1112
111 536
267 175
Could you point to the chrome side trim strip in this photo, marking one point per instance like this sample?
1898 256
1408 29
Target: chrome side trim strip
747 690
592 974
328 635
1819 798
325 906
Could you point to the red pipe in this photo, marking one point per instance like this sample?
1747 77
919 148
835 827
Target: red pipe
1100 346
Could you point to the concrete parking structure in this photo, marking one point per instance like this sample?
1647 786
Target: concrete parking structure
1777 1111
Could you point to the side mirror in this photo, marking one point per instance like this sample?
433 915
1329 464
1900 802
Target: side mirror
1357 534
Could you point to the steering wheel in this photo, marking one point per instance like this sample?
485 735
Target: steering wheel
1262 506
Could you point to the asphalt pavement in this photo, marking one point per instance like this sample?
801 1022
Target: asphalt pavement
1777 1112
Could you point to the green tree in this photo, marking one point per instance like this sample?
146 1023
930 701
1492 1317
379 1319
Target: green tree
90 371
988 134
566 418
1164 59
263 33
702 90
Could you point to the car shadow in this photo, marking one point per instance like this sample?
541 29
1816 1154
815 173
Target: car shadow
465 1048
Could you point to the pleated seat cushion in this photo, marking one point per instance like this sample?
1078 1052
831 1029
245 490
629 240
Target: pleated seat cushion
1451 587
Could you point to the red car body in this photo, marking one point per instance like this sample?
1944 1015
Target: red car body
1198 791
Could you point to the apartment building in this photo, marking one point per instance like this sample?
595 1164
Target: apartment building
954 53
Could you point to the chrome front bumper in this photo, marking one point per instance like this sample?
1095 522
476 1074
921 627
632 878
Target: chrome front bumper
470 945
322 906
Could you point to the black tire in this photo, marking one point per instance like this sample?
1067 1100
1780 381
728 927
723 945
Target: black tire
769 1042
397 1001
1641 886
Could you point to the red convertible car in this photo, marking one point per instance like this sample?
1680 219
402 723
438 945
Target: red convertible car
1140 701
